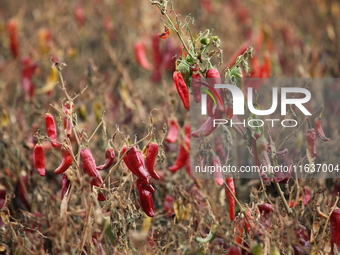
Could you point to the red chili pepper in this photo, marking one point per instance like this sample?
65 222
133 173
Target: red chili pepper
230 198
311 147
182 89
65 184
12 29
266 211
169 206
66 160
135 164
147 186
335 226
39 159
145 198
157 59
234 250
217 165
208 126
89 166
196 79
67 126
151 155
319 130
182 157
51 130
164 34
79 14
109 158
173 132
213 77
141 57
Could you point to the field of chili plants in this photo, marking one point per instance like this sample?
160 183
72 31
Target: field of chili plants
99 106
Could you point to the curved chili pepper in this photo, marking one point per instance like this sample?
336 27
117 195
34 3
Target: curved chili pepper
89 166
319 130
164 34
67 160
217 165
173 132
195 87
311 147
150 160
182 157
65 183
12 29
208 126
39 159
109 158
334 222
145 199
140 55
230 198
134 163
182 89
51 130
214 77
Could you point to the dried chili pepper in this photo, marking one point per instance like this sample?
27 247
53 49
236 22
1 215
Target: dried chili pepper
156 75
151 155
334 222
145 198
67 120
182 89
39 159
109 158
67 160
231 201
89 166
319 130
182 157
196 80
217 174
169 206
12 29
208 126
214 77
173 132
311 147
65 184
140 55
164 34
51 130
134 163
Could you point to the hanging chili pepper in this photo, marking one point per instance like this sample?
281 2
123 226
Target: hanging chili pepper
182 89
89 166
140 55
169 206
109 158
144 185
12 29
217 174
213 77
67 120
230 199
65 184
182 157
51 130
164 34
151 155
67 160
334 222
134 163
196 79
208 126
39 159
173 132
319 130
311 147
156 75
145 198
